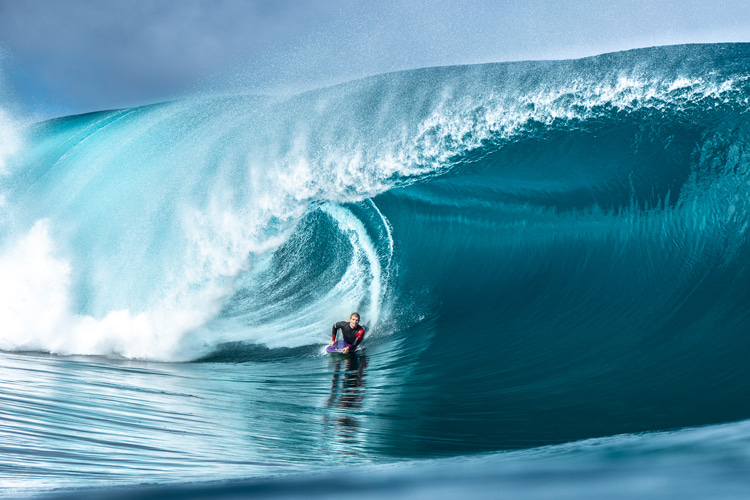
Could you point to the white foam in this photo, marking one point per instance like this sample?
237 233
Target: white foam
461 123
364 260
33 291
35 305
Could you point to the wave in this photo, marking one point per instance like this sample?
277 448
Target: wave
523 205
543 252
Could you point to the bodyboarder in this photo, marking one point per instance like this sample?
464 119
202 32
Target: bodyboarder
352 332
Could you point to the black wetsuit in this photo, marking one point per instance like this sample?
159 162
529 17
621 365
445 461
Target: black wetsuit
352 336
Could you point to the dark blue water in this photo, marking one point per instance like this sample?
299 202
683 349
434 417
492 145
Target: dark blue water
551 258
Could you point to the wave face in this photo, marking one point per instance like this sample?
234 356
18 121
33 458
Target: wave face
543 251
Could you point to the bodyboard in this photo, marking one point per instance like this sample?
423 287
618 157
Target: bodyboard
339 347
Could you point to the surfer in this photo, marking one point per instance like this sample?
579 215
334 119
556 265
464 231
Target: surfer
351 331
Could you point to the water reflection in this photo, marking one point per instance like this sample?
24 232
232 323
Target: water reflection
345 402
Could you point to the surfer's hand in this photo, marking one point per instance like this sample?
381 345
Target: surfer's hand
345 350
330 343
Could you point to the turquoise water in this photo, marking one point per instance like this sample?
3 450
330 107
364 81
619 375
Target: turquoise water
550 257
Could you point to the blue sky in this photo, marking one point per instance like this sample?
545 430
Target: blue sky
70 56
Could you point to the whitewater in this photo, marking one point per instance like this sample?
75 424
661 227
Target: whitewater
551 258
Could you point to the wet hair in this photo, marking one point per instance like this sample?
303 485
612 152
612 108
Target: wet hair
354 314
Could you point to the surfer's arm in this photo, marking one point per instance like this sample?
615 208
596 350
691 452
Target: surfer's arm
333 332
359 337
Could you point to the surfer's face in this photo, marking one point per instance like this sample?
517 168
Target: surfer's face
353 321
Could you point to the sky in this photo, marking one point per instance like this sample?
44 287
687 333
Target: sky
60 57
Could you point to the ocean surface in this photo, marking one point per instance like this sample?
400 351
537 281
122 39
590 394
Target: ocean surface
552 259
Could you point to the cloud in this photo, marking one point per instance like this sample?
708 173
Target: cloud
105 53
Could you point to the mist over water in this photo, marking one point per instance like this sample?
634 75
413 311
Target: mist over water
543 252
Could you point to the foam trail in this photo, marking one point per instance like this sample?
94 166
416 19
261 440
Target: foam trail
364 260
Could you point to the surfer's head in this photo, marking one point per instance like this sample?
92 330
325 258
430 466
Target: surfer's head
354 320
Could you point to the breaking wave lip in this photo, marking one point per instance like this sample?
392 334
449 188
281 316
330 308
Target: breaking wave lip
147 219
